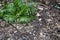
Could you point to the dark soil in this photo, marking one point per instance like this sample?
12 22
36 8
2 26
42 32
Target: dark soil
46 26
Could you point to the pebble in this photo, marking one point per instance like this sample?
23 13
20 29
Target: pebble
40 8
40 19
15 31
30 33
0 4
37 14
49 20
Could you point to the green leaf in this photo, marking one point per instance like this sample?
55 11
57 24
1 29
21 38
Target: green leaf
23 8
18 3
18 11
9 18
24 19
1 12
10 8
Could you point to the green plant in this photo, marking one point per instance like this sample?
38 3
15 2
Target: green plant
17 11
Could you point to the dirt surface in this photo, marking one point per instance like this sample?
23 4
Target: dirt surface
46 26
